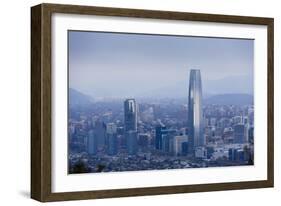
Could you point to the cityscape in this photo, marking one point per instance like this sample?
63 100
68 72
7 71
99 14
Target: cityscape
111 137
153 102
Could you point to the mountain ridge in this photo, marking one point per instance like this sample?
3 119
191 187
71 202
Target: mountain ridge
230 99
76 98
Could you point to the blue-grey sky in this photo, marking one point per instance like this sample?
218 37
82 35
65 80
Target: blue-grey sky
135 65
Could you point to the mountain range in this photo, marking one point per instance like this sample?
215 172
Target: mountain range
230 99
227 85
77 98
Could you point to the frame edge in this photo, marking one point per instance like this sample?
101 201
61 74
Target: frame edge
36 138
270 100
41 99
157 14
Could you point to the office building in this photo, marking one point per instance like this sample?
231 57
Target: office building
130 115
195 112
92 143
158 135
130 125
111 134
163 137
99 128
132 139
240 134
179 143
167 143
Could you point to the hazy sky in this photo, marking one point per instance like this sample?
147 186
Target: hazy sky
128 65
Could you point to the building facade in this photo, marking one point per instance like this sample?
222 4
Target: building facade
195 112
179 143
99 128
130 115
92 143
159 130
132 139
240 134
111 134
130 125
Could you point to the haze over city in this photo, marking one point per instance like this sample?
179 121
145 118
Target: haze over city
150 102
108 64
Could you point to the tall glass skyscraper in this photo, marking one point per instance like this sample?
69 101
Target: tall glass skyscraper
195 112
163 136
130 124
99 133
130 112
132 146
158 135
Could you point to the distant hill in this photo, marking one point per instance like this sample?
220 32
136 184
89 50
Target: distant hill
76 98
230 99
229 85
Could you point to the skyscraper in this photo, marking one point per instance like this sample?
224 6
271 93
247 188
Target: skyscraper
163 136
130 112
99 132
251 135
167 143
240 133
92 143
130 124
178 142
132 146
195 112
158 135
111 134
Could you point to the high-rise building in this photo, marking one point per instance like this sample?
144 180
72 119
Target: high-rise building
130 112
163 137
238 155
99 128
195 112
251 135
232 154
130 125
240 133
111 134
167 142
158 135
184 148
178 146
132 146
92 143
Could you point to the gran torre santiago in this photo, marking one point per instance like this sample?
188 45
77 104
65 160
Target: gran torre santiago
195 112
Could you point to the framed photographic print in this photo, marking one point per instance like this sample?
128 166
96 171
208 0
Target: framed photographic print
130 102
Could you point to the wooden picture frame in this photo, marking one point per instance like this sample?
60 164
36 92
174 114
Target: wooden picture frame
41 97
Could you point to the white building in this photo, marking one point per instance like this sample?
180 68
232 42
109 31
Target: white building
178 144
201 152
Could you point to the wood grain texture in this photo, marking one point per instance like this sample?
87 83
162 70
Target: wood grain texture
36 58
41 101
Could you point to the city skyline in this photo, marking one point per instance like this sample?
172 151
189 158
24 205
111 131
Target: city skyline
137 58
142 136
158 102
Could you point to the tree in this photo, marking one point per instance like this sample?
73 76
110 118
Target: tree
80 167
